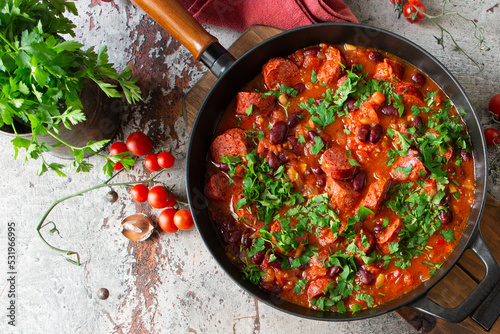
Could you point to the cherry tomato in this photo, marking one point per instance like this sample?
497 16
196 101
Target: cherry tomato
183 219
159 197
115 149
166 159
151 162
166 220
139 193
491 136
396 2
138 143
494 105
410 9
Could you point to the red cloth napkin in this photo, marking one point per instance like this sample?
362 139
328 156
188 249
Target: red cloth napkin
285 14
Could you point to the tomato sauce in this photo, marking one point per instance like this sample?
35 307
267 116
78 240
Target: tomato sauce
340 178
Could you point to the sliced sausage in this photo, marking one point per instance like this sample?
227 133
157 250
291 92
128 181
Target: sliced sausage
262 105
336 164
342 195
278 71
389 70
318 287
217 186
417 169
233 142
410 92
364 240
331 70
367 113
375 194
390 232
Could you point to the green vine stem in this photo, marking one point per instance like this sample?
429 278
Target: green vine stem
478 31
107 183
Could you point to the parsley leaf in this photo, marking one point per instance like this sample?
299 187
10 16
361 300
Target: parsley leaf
448 235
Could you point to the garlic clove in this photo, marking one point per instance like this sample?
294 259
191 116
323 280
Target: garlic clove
137 227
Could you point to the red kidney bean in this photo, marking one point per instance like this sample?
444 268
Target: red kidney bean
294 119
377 228
418 124
312 135
294 142
359 181
273 160
365 277
445 216
418 78
320 181
259 257
332 271
283 157
350 104
271 288
246 241
224 234
389 111
276 264
465 155
235 237
376 56
364 133
224 167
299 87
376 134
277 134
317 170
230 223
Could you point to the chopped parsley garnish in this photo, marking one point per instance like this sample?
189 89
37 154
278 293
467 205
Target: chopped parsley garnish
314 78
448 235
253 274
268 193
318 145
231 162
300 285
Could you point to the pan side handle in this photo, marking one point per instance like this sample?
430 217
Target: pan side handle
174 18
462 311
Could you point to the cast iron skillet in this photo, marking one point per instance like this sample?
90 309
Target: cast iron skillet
234 74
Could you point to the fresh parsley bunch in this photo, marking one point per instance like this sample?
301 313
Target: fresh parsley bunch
42 74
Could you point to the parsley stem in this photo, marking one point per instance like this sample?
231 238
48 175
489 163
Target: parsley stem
42 224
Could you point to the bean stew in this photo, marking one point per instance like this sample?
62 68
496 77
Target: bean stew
340 178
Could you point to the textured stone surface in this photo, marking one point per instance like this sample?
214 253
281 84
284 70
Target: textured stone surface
170 283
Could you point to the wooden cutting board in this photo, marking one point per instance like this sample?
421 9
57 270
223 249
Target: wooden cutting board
462 279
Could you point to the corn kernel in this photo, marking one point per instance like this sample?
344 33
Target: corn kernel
283 99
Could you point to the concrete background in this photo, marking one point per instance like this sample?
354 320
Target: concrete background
170 283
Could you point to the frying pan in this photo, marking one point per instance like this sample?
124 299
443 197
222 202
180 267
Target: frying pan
234 74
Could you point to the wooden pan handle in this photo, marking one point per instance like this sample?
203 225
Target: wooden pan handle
175 19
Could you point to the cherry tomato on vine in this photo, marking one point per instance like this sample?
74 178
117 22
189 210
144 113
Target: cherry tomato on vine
494 105
491 136
166 159
115 149
183 219
138 143
166 220
414 11
396 2
151 162
139 193
159 197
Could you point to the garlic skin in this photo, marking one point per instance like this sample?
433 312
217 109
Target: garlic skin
136 227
